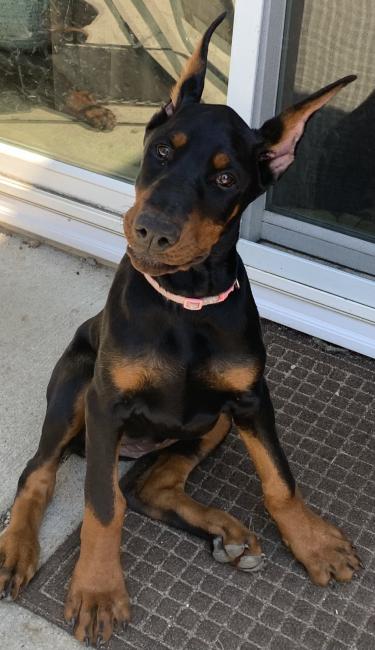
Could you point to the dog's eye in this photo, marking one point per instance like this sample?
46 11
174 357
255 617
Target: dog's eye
163 152
225 180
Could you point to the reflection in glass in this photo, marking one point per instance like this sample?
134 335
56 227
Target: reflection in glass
332 182
80 79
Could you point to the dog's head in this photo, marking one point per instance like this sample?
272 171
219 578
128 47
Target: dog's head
202 165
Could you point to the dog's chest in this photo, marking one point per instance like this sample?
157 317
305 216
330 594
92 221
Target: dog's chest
175 383
229 375
181 399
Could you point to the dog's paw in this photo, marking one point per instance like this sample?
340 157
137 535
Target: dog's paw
100 118
93 610
329 555
246 556
19 553
83 106
322 548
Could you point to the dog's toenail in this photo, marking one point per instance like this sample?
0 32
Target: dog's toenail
251 562
234 550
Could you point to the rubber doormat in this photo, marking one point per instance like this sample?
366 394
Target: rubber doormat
183 600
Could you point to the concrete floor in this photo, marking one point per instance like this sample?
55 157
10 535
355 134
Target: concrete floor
44 295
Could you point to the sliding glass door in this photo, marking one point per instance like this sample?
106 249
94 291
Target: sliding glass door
81 78
325 203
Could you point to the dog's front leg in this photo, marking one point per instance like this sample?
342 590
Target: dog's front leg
318 545
97 597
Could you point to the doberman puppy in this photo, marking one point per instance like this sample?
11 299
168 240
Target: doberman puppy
174 359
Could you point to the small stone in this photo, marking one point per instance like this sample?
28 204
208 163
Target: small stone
91 261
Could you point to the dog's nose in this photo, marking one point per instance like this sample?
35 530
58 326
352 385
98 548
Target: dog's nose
155 235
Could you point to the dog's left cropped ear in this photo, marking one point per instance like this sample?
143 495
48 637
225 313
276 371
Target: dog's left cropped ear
189 87
281 134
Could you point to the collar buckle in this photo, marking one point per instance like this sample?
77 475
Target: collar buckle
193 304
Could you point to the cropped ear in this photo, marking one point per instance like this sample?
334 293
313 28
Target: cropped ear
189 87
281 134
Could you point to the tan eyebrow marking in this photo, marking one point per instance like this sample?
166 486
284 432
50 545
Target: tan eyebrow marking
221 160
179 139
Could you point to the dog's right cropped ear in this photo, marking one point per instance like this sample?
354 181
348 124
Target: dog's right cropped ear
281 134
188 88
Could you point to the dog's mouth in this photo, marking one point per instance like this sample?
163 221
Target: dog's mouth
156 267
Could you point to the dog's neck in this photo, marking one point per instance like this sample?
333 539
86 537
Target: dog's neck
211 277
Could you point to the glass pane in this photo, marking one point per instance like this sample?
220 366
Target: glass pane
332 182
80 79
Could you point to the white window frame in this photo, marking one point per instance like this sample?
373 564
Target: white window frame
82 210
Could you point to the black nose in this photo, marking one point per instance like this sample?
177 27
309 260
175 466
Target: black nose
154 234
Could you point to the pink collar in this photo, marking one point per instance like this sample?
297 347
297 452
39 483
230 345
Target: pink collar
194 304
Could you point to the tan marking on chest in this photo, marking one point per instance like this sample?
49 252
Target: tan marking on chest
236 378
133 375
129 375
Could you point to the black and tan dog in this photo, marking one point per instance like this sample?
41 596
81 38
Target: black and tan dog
174 359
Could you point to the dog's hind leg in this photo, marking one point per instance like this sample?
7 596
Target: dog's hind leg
155 487
65 418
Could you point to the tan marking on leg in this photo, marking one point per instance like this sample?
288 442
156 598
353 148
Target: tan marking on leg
170 471
77 423
179 139
33 498
19 546
161 489
97 594
274 488
321 547
221 160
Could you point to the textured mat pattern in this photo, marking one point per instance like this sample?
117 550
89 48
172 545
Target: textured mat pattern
184 600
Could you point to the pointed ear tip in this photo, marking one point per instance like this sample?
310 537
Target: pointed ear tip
209 31
348 79
221 17
216 22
